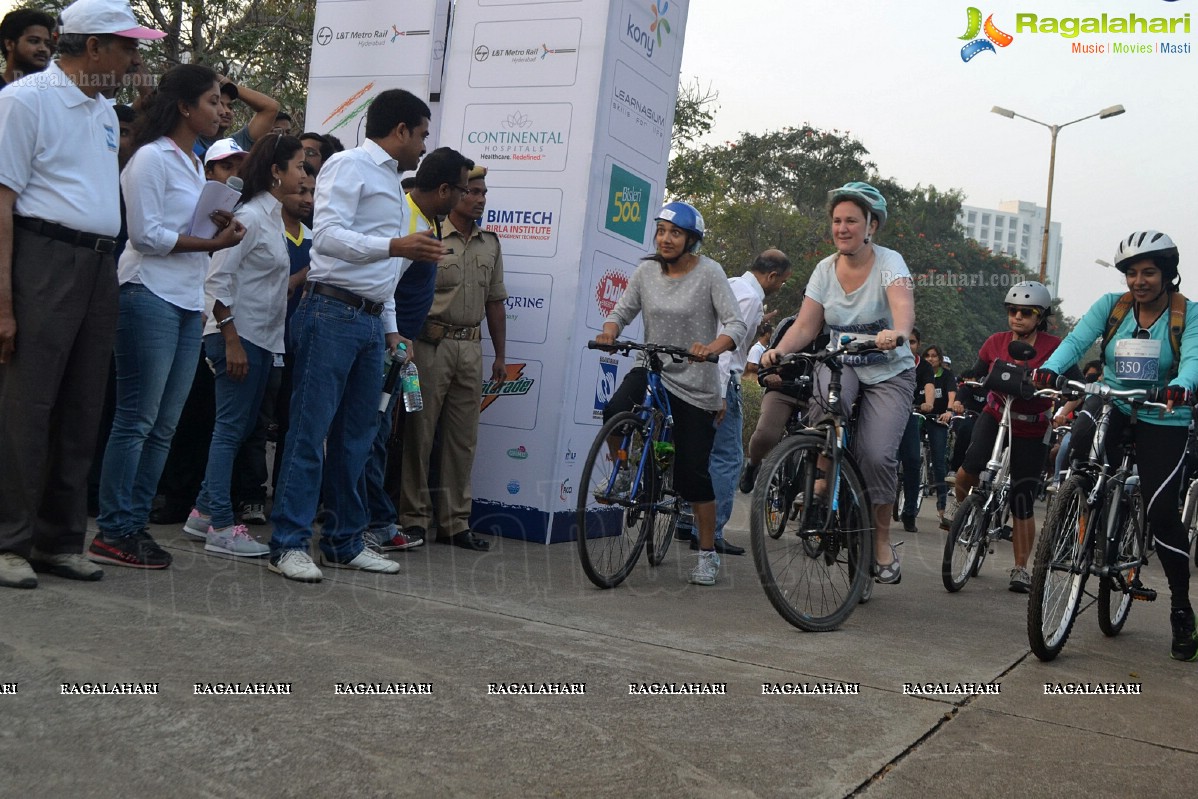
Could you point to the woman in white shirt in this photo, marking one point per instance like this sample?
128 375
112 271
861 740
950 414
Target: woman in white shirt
247 310
161 273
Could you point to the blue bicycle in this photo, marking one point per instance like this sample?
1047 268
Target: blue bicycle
627 501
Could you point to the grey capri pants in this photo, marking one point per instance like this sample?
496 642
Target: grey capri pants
881 421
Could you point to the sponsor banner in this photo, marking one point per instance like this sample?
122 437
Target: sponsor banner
337 105
653 30
526 220
523 2
527 306
514 403
363 39
599 375
608 279
532 137
628 203
639 114
525 53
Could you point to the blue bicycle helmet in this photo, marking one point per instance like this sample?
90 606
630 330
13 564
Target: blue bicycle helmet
685 216
860 191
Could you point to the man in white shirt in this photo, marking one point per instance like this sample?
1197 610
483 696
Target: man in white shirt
768 273
338 334
59 219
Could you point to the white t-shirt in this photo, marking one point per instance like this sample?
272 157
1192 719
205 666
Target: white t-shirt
863 313
755 353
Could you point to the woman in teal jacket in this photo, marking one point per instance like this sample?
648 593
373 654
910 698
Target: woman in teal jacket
1140 354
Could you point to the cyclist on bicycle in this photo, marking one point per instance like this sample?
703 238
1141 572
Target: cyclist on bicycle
1140 354
685 300
1028 307
865 291
910 451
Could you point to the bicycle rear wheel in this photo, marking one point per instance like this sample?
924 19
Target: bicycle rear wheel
964 545
1126 558
614 507
1060 571
815 570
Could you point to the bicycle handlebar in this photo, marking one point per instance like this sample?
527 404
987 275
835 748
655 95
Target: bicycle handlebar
864 347
1072 389
678 354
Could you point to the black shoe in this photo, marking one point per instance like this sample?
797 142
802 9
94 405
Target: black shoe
909 524
748 477
137 551
467 540
1185 638
721 546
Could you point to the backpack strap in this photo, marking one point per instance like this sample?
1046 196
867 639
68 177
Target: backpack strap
1177 326
1118 314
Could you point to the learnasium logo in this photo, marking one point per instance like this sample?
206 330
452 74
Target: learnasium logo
991 35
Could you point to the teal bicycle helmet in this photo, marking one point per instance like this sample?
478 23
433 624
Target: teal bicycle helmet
862 193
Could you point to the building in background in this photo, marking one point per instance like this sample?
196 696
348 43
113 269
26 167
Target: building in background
1016 228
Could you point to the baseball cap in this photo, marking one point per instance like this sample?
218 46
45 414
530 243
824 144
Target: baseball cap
104 16
222 149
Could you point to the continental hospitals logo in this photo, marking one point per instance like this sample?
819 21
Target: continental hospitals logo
992 36
515 385
531 138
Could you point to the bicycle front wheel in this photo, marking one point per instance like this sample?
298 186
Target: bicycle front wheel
663 521
965 543
816 567
1125 559
614 506
1060 571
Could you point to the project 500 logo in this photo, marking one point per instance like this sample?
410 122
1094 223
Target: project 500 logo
627 197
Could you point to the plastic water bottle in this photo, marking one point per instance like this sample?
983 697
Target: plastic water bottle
409 379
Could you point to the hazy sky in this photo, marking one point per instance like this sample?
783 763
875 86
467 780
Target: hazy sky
891 74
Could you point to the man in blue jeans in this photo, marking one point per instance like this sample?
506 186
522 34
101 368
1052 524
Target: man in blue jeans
909 451
338 334
768 273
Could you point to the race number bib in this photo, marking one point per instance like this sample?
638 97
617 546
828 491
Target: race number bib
1138 359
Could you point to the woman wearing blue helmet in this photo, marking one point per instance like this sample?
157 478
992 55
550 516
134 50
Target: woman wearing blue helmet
686 302
865 291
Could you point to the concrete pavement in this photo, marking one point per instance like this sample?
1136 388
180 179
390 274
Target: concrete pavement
458 621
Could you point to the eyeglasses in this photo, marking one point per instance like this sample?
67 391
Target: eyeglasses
456 187
1019 310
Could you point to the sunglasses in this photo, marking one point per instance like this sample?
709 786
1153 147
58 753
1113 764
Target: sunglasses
1019 310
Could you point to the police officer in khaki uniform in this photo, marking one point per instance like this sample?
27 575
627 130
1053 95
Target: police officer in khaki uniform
448 353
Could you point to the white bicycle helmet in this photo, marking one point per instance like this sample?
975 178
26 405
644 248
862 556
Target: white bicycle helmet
1029 292
1148 244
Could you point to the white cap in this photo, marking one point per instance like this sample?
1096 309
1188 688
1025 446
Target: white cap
93 17
222 149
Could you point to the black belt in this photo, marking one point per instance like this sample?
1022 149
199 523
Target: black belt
78 238
347 297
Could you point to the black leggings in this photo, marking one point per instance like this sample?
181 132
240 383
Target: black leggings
694 432
1161 468
1027 456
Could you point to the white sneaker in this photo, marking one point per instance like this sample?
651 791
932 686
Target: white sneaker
367 560
197 525
15 571
950 511
294 564
71 566
706 569
234 541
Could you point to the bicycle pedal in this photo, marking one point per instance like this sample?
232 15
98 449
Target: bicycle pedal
1142 594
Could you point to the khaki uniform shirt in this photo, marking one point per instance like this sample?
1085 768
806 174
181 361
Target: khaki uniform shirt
468 278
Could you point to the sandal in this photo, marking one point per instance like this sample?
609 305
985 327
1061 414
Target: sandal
889 573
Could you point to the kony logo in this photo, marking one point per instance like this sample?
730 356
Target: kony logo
515 385
609 290
646 38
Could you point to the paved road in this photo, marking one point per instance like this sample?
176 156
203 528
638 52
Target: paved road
458 621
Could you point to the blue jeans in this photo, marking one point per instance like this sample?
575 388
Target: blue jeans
336 386
380 510
938 444
157 347
237 404
727 453
909 457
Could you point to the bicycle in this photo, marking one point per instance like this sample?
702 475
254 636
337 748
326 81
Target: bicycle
1096 525
627 500
814 555
927 474
1189 512
985 515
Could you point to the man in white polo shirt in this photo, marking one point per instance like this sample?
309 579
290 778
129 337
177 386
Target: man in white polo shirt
59 218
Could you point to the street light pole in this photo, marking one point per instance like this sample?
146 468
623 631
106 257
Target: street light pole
1113 111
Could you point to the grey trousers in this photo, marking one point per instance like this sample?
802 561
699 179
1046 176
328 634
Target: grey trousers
881 421
52 390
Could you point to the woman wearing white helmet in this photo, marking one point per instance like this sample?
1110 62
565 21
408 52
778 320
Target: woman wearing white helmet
686 302
1028 307
1149 332
865 291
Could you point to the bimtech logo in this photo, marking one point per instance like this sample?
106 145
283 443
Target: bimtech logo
993 36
